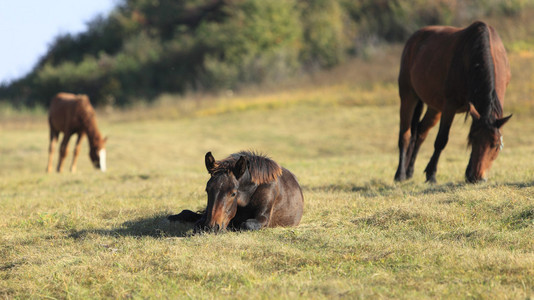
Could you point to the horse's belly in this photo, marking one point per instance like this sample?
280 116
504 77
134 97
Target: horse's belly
430 92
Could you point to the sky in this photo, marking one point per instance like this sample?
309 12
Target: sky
28 27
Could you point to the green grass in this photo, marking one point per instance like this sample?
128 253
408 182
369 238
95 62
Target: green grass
104 235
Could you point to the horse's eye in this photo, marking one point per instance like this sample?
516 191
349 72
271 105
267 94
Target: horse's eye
233 194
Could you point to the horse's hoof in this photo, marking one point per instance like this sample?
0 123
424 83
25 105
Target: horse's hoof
431 180
400 178
474 180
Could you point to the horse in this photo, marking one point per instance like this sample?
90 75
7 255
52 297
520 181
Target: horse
247 191
452 70
73 114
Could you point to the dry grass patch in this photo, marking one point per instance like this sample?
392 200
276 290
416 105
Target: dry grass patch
104 235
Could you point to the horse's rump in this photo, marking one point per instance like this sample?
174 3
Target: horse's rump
69 112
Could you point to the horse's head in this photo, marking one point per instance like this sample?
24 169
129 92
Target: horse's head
486 142
222 189
97 153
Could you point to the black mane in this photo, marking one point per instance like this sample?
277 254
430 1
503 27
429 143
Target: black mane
262 169
481 72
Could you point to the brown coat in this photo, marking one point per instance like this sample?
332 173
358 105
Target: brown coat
452 70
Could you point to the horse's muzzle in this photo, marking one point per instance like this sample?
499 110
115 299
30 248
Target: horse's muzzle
474 179
471 175
200 227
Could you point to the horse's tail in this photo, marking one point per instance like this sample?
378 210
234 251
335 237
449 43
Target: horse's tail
417 116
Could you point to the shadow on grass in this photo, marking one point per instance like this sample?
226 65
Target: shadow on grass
376 188
371 189
451 186
434 188
519 185
157 226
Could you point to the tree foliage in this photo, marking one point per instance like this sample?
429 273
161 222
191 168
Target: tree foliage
147 47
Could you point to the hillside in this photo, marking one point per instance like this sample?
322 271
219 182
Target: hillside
146 48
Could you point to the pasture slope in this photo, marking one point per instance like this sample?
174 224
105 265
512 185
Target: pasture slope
104 235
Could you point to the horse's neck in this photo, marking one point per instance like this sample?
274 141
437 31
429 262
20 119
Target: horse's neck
93 134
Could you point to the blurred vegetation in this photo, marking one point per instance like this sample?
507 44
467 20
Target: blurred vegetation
144 48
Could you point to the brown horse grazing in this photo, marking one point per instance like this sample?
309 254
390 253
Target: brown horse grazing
452 70
247 191
70 114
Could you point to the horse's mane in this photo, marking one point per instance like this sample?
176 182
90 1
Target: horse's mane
262 169
481 71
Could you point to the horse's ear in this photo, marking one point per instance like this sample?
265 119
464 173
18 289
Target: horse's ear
473 112
240 167
210 162
500 122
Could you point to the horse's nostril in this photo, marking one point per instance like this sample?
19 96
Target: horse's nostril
473 179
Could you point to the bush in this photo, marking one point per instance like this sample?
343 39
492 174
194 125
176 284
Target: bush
256 36
328 33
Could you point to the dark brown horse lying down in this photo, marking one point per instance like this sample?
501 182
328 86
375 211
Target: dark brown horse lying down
73 114
247 191
452 70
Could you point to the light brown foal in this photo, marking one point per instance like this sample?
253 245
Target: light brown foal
73 114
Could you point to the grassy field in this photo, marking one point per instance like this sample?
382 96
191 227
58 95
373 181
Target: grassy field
104 235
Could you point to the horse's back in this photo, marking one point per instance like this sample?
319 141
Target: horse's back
425 63
289 205
67 110
431 52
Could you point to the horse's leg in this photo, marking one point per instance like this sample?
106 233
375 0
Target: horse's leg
76 151
414 127
200 224
441 141
63 151
263 216
260 217
53 139
430 119
409 103
255 224
186 216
